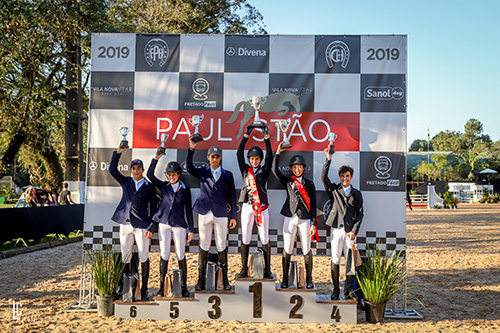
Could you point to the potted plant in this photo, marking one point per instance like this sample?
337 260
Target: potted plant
379 278
107 267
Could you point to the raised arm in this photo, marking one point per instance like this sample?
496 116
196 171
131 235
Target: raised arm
151 174
113 168
240 152
189 164
269 154
276 170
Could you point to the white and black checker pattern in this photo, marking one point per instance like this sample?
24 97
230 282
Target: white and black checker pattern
130 77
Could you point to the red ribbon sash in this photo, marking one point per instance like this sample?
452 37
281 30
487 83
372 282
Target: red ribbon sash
305 196
256 206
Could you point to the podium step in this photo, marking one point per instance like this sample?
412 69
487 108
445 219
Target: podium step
250 300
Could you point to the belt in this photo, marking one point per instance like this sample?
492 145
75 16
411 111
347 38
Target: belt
262 206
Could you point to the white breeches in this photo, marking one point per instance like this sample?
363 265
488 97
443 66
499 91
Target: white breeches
207 223
340 243
127 235
165 233
247 222
290 226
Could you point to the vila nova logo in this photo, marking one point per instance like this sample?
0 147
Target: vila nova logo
384 93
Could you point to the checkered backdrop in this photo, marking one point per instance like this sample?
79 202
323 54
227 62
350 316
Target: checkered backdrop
352 85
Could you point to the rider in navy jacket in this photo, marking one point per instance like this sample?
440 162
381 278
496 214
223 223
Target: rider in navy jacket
171 210
134 213
213 195
133 205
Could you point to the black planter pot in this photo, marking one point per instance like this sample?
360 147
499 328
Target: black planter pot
374 312
105 306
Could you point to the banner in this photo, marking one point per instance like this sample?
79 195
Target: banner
352 85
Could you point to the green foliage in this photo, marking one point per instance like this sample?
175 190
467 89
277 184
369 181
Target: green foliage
107 267
187 16
420 145
39 40
447 141
380 276
470 152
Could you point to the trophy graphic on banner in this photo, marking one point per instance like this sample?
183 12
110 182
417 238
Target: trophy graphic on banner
257 102
331 138
161 148
283 127
124 142
196 122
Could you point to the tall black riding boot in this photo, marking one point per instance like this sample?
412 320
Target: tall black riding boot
144 278
163 273
267 261
222 257
202 270
244 261
336 282
286 269
183 268
349 293
308 261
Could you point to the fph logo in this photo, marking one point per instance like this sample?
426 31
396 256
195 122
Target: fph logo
156 51
337 52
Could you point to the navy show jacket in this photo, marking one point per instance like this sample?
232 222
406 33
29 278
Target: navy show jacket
175 207
214 195
136 206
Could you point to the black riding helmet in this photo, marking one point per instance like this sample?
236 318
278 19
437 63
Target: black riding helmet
255 151
173 167
297 159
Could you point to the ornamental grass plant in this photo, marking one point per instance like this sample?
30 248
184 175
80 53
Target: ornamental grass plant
107 267
381 275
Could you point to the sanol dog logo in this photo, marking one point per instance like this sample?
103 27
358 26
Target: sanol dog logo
384 93
156 51
337 51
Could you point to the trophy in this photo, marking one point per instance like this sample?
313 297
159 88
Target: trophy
196 121
124 132
257 104
283 127
331 138
161 149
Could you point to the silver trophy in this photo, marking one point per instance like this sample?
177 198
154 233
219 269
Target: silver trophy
257 104
161 149
283 127
124 142
331 139
196 121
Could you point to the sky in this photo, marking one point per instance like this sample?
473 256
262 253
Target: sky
453 52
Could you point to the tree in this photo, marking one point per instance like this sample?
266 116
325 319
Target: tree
40 44
188 16
447 141
420 145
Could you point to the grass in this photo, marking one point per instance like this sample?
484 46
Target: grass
9 245
10 205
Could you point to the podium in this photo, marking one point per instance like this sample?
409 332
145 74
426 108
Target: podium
250 300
